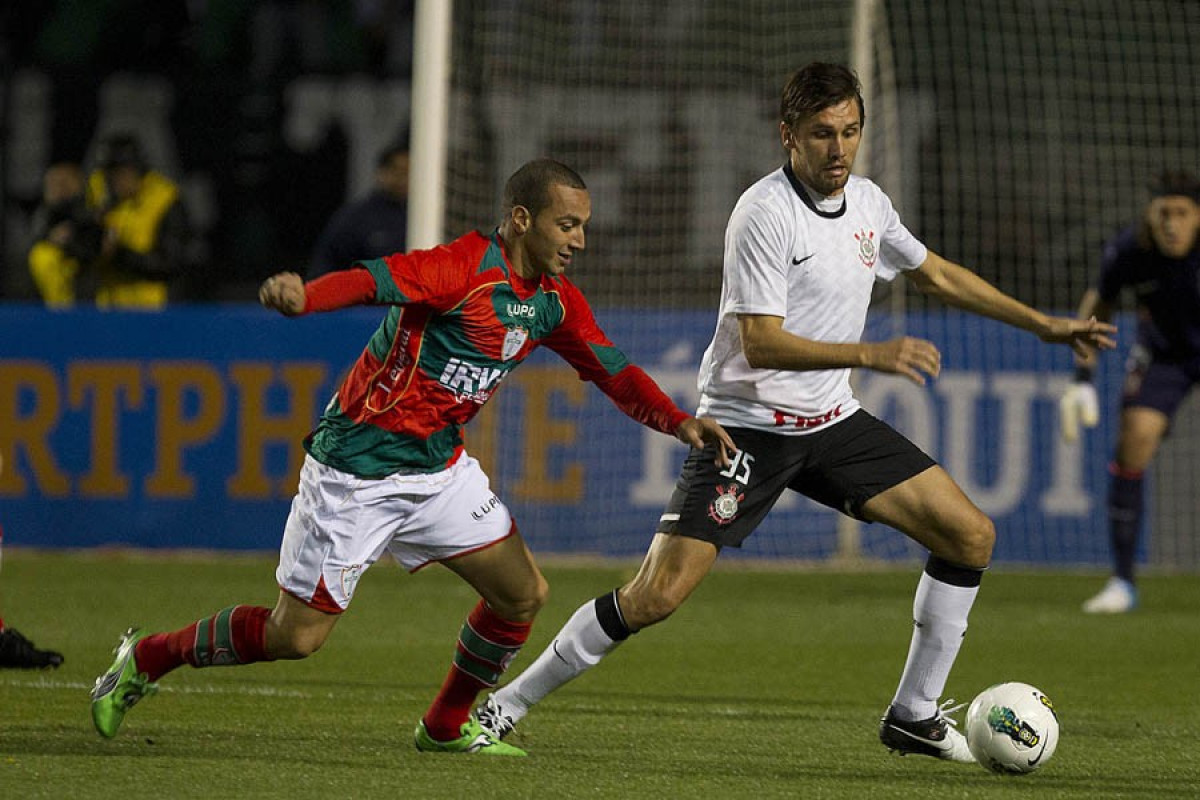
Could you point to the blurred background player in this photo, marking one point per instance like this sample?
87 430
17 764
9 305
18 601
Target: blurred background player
386 466
1158 261
128 237
372 227
17 652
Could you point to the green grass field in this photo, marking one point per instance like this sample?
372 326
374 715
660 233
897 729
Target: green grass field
766 684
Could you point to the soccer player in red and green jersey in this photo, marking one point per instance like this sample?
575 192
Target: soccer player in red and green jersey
386 468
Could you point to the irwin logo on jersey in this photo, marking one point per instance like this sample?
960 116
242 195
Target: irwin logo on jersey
469 382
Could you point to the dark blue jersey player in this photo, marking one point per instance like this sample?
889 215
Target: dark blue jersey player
1157 262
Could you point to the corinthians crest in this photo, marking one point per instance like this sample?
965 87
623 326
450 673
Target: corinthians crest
724 508
867 251
514 340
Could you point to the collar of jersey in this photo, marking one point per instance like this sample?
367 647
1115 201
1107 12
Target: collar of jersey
802 193
523 288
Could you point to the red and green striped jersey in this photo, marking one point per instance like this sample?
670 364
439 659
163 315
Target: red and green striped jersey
461 320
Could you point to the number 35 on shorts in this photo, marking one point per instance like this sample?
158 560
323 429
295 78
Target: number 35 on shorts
739 469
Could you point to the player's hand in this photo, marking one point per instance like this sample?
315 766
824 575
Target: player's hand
699 431
283 292
1085 336
1078 406
908 356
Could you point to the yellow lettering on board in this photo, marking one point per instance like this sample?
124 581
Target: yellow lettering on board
29 433
173 383
256 428
105 382
540 383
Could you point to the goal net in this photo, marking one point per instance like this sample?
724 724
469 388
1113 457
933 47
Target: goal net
1013 138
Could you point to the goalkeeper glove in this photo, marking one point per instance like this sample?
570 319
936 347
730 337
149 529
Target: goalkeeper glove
1078 406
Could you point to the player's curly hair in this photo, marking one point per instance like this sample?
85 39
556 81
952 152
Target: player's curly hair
530 185
817 86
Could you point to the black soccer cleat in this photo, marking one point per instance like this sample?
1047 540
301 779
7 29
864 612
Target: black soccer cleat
17 652
935 736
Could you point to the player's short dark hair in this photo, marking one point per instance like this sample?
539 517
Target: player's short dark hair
1175 181
530 185
121 150
816 87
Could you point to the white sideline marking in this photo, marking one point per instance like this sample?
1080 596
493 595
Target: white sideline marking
261 691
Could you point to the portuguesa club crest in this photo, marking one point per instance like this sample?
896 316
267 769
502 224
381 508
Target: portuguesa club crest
514 340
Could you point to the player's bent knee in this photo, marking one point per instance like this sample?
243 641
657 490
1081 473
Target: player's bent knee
976 541
526 605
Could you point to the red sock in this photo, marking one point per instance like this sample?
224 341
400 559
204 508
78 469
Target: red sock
236 635
487 644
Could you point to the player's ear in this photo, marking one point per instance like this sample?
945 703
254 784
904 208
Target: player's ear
522 220
785 135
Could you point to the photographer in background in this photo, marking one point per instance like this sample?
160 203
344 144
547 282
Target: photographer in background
1158 261
127 237
66 235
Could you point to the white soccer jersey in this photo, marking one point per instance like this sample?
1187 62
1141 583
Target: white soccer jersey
811 261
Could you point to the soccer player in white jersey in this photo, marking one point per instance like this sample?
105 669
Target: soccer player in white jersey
803 247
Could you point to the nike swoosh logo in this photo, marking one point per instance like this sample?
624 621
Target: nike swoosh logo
1033 761
554 645
798 261
940 744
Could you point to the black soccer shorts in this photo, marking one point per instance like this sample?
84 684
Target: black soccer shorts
842 466
1161 385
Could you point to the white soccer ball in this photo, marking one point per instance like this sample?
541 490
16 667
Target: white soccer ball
1012 728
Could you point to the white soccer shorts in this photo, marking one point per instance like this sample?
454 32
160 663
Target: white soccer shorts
340 525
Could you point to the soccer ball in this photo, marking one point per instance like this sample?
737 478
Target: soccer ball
1012 728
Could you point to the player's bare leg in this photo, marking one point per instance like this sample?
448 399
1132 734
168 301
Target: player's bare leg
674 566
933 510
512 591
1141 432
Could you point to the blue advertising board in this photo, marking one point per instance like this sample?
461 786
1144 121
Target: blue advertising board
183 429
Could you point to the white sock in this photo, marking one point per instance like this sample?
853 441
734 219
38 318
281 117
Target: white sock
939 623
576 648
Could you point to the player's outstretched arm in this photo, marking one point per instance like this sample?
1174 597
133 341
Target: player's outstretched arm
287 293
700 431
959 287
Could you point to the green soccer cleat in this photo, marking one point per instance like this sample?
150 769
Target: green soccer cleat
119 689
474 739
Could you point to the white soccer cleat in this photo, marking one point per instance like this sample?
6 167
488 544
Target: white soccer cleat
494 719
1118 596
936 736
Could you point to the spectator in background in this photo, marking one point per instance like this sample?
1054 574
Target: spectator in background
66 234
373 227
1158 259
128 237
